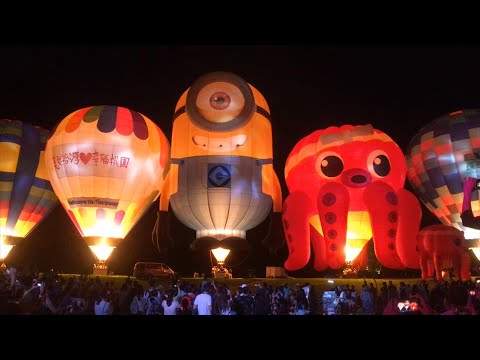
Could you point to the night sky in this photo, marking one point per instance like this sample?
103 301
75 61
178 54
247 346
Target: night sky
396 89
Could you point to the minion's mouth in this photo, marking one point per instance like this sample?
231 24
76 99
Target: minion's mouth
218 144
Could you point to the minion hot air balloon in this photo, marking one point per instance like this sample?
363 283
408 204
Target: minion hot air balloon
106 165
221 180
26 196
439 157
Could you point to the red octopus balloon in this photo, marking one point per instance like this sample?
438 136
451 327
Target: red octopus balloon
346 185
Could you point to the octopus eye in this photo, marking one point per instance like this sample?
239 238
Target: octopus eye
331 166
381 165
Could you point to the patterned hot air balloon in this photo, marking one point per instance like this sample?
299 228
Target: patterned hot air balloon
106 165
346 186
26 196
439 157
221 180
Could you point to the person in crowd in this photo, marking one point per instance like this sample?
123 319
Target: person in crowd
103 305
12 271
286 291
279 303
31 295
202 304
154 303
244 301
306 290
170 306
124 299
437 297
138 304
301 303
221 304
392 290
367 300
261 303
48 304
468 219
402 291
205 282
383 295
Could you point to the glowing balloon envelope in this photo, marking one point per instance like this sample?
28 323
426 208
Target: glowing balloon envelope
442 247
26 196
221 181
106 165
346 186
439 157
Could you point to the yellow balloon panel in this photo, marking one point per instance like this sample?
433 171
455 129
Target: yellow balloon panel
106 165
26 196
9 153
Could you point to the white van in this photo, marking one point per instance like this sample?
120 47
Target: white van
152 270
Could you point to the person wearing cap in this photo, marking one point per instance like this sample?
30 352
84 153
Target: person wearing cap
244 302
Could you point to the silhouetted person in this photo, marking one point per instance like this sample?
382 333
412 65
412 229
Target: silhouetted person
468 219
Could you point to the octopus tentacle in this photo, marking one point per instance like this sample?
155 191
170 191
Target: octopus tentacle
319 249
333 201
410 216
382 205
296 216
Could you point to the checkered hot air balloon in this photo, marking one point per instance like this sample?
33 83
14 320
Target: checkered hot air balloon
26 196
439 157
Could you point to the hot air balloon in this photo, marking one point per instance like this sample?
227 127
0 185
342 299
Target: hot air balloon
442 247
106 166
346 185
220 270
26 196
221 180
439 157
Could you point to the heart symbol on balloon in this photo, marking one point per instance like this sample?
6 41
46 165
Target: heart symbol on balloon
85 157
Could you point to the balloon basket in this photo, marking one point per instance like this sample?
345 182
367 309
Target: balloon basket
100 268
349 271
220 272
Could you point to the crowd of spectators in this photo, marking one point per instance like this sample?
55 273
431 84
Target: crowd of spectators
443 298
84 295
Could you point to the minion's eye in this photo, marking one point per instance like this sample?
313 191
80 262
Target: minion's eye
331 166
379 163
220 100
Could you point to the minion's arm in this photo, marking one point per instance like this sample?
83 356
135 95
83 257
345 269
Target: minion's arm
169 187
271 186
161 235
